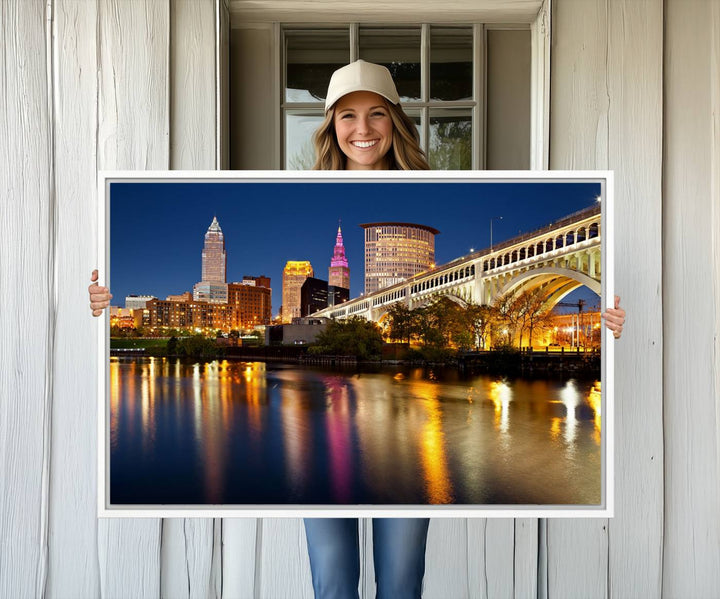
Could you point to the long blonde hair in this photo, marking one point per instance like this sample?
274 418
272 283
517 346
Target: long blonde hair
405 153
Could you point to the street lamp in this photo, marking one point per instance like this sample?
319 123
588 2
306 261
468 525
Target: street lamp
491 222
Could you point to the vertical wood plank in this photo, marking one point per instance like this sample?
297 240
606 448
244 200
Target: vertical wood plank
284 566
635 88
192 85
491 546
526 558
607 113
448 559
187 558
239 557
133 85
187 544
692 323
578 96
133 134
577 552
577 557
27 315
73 560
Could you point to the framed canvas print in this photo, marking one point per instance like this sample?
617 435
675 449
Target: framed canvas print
343 344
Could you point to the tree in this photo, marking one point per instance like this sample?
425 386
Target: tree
197 346
526 310
481 319
538 315
352 337
402 323
507 315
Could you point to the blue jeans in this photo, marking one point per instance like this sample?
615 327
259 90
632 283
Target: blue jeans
398 552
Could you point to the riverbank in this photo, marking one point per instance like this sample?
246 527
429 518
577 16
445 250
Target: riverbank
490 362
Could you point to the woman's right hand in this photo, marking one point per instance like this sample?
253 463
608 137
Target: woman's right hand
99 296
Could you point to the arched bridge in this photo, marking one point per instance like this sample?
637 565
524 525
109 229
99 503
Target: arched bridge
559 258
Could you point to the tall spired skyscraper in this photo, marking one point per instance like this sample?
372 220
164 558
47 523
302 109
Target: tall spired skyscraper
339 271
213 286
214 267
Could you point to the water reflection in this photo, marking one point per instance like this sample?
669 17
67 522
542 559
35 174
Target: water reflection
247 433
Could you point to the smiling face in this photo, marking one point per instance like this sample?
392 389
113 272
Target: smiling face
364 130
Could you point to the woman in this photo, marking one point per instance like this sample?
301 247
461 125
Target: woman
365 129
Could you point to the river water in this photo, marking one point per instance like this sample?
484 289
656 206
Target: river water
252 433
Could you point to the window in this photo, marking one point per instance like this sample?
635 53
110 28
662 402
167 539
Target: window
440 72
467 87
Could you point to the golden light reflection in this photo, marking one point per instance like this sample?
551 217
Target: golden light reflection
213 427
197 387
555 427
595 400
131 397
570 396
115 390
255 377
433 454
501 396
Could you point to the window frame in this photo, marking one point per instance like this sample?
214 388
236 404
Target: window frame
539 86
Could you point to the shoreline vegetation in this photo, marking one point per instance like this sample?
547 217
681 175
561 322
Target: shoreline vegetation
478 338
498 361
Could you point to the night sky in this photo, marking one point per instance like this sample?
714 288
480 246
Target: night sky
157 229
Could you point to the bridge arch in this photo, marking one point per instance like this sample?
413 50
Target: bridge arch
560 281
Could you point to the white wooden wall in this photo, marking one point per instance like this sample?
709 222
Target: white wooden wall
120 84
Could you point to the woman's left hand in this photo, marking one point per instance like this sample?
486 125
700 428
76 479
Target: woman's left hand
615 318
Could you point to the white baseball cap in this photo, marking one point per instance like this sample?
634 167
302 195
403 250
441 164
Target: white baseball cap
361 76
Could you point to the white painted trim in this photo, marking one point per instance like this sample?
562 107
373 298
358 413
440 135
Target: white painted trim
218 5
425 87
604 510
607 348
103 341
540 89
479 86
278 130
450 11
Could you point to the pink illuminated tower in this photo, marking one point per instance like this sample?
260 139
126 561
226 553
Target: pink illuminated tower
339 271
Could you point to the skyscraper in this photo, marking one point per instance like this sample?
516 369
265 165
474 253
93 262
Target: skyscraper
294 275
213 286
214 267
339 271
395 252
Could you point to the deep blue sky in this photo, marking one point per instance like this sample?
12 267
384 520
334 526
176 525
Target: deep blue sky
157 229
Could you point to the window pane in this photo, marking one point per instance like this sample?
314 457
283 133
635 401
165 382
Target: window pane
414 114
311 57
451 55
399 51
299 149
450 139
